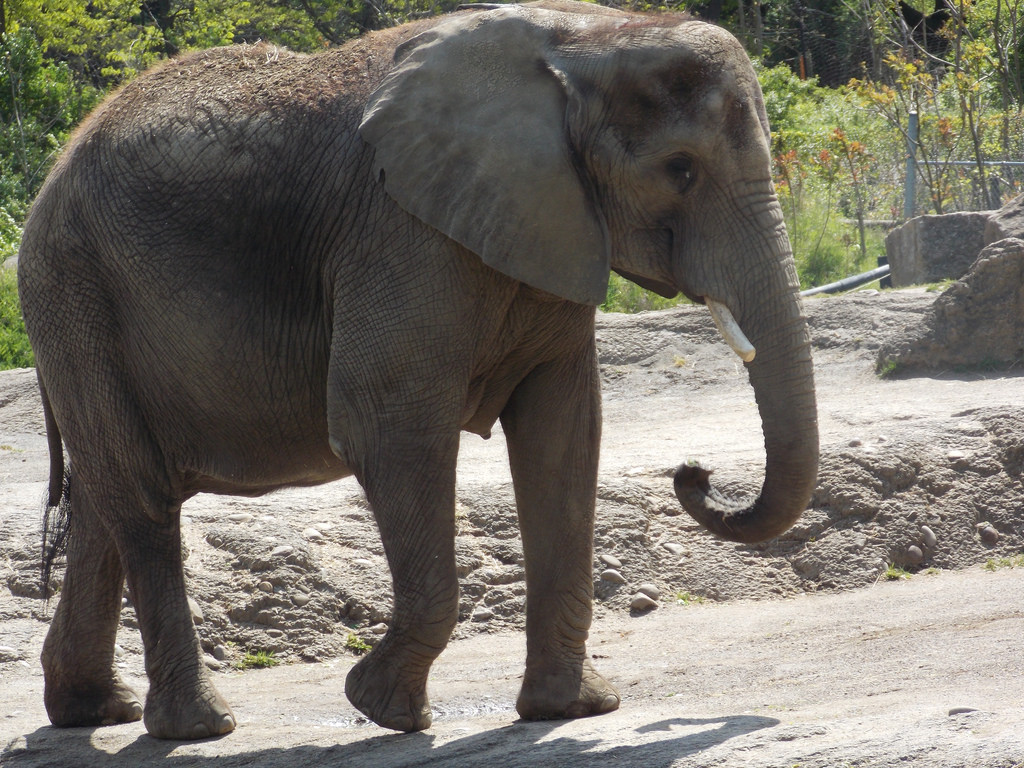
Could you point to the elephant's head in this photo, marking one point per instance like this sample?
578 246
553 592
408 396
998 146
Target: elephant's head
558 145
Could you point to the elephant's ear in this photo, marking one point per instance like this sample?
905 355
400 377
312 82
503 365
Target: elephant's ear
469 133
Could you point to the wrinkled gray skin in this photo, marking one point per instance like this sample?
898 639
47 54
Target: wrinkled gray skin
252 269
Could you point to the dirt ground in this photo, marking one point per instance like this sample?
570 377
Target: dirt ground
798 652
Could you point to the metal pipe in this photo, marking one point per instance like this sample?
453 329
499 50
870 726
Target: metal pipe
849 283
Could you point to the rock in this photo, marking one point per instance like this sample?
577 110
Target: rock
611 561
265 586
8 653
612 576
1008 221
240 517
928 536
977 321
642 602
989 535
674 548
483 613
961 711
212 663
914 555
379 629
313 534
362 561
651 590
300 599
855 443
196 610
283 551
221 652
931 248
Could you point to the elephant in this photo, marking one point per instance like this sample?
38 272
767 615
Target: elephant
252 269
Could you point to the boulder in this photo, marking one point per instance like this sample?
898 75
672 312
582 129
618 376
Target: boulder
928 249
1008 221
977 321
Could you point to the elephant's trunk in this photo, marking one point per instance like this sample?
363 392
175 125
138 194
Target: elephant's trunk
783 382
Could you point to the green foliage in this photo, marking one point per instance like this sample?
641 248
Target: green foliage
357 645
894 572
685 598
624 296
15 351
995 564
258 660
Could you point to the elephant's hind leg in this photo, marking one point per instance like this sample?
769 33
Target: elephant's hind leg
412 491
82 686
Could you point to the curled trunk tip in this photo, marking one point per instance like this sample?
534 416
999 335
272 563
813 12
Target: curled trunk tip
725 517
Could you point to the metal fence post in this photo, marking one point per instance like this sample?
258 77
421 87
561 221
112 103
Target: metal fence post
910 182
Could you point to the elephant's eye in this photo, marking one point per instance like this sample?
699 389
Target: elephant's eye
681 170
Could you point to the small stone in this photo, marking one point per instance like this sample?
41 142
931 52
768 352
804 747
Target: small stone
651 590
300 599
221 652
674 548
855 443
240 517
283 551
124 603
379 629
642 602
8 653
212 663
265 586
483 614
961 711
914 555
196 611
118 652
928 535
362 561
313 534
611 561
956 455
989 535
613 576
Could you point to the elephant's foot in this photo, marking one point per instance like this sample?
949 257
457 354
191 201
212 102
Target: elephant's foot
383 689
77 705
554 691
197 713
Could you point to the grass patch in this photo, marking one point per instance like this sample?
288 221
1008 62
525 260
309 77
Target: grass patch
15 351
258 660
356 644
685 598
997 563
894 572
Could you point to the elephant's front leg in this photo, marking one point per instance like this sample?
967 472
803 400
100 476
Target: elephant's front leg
553 427
410 484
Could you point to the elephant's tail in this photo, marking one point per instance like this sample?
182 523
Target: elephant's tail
57 509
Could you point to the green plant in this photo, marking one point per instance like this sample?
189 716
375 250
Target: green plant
894 572
685 598
15 351
994 564
356 644
258 660
887 368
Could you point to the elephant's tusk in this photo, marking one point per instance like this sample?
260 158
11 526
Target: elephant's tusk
730 330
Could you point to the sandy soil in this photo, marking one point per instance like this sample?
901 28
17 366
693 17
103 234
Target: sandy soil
795 652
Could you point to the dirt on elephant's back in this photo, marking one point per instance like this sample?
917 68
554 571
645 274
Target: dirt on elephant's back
918 474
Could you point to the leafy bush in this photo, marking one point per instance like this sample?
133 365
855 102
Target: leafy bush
15 351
